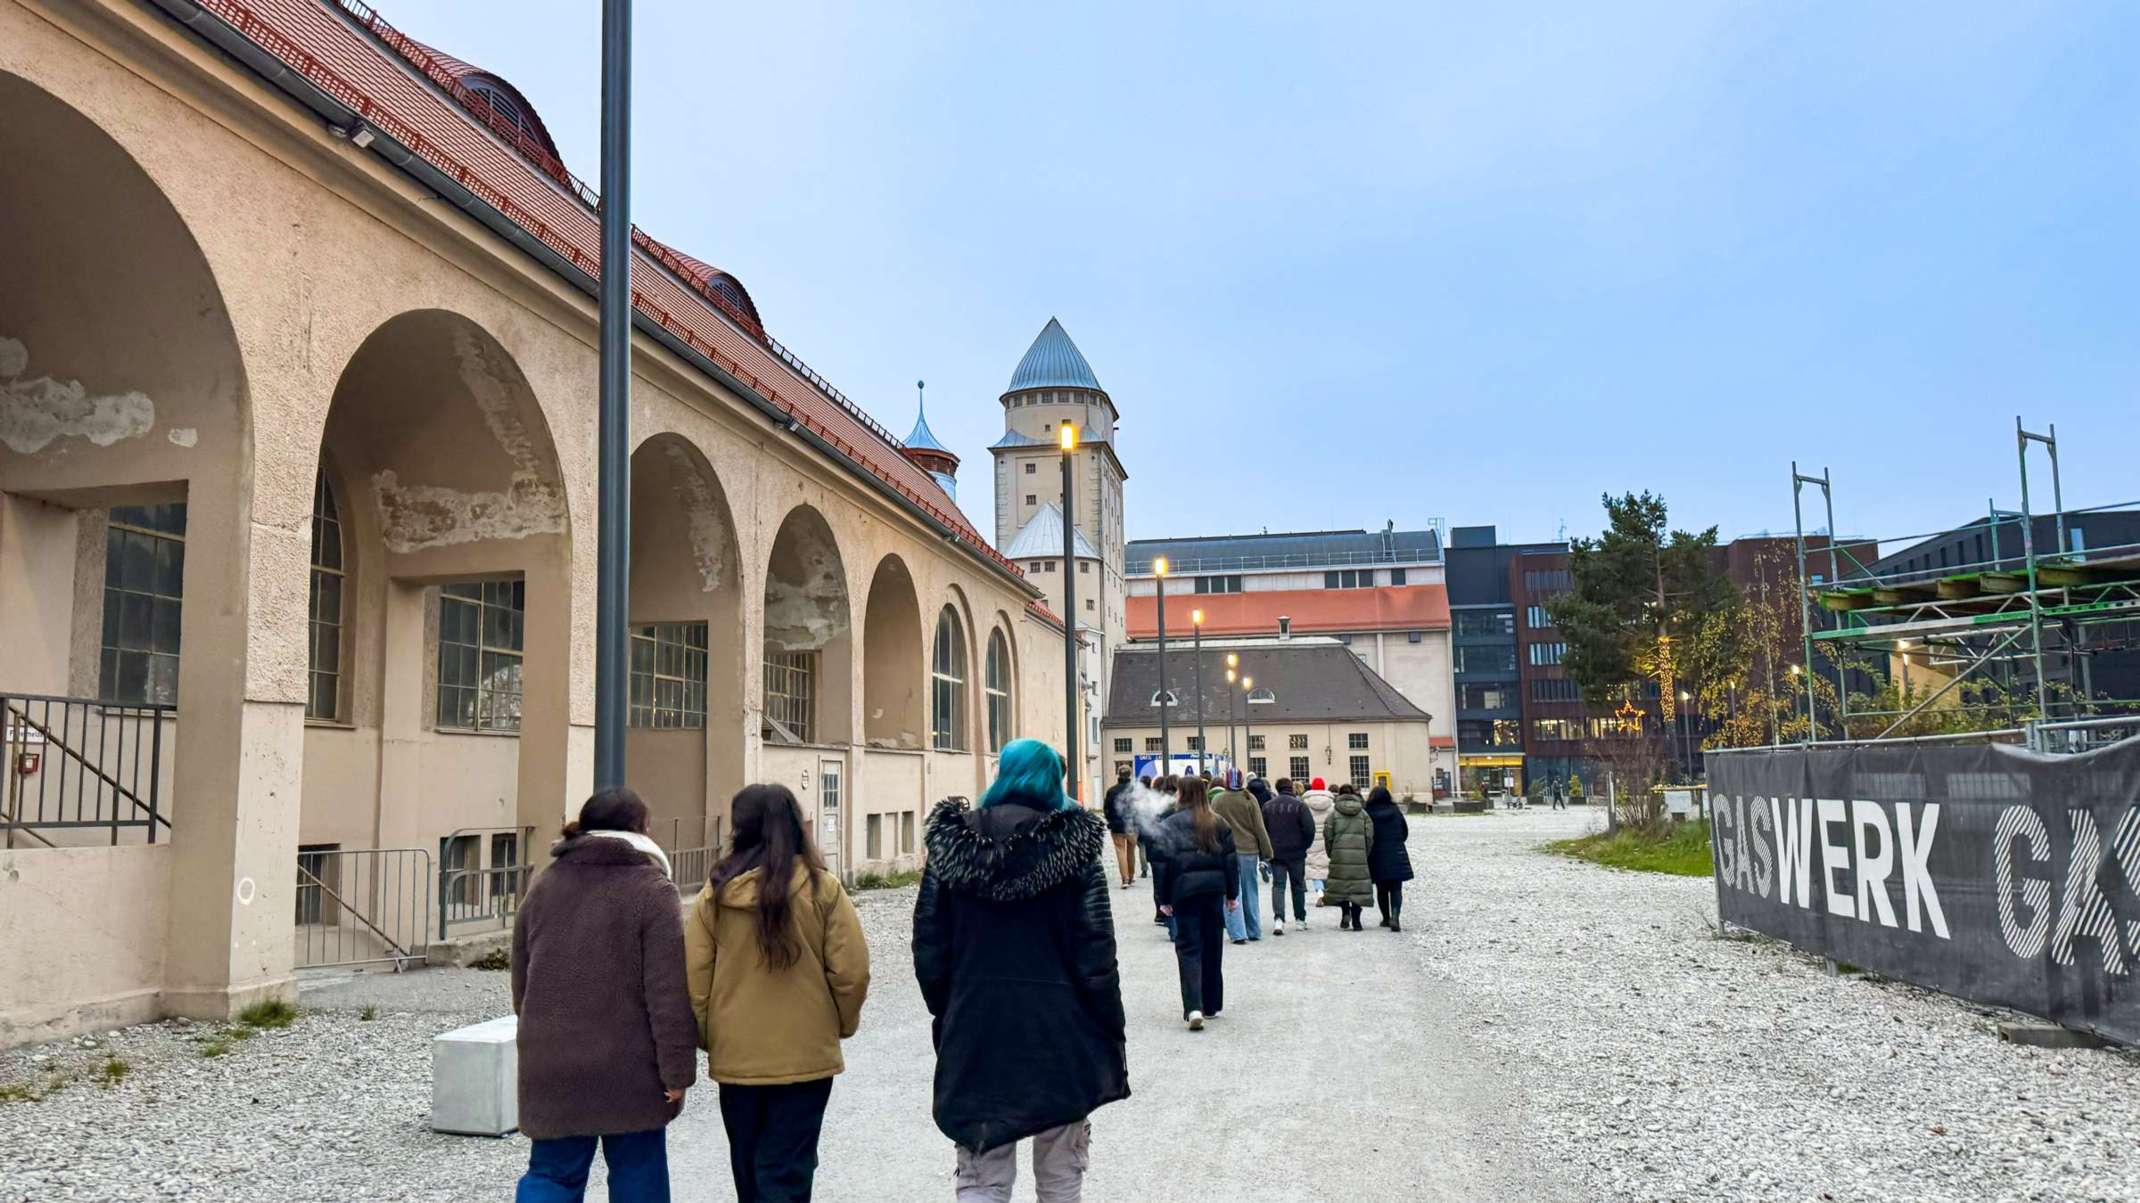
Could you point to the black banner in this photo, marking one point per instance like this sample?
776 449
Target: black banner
1990 872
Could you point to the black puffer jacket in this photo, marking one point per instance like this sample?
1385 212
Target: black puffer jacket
1387 859
1014 946
1292 827
1182 870
1117 807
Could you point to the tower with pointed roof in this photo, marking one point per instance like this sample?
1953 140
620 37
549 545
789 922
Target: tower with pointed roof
1054 384
928 453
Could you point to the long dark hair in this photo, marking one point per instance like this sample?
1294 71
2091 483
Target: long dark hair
1379 796
613 809
769 837
1196 799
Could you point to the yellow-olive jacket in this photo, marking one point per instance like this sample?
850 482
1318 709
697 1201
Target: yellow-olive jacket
765 1027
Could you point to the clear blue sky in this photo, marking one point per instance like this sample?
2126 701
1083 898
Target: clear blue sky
1344 263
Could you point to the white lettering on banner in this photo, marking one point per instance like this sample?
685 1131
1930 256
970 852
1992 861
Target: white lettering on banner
1794 848
1835 858
2085 913
1920 898
1720 842
2020 822
1763 832
1739 856
2126 847
1872 870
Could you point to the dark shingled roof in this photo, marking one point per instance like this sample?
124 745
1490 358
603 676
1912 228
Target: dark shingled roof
1314 682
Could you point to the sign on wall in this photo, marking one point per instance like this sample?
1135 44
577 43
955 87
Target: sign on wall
1989 872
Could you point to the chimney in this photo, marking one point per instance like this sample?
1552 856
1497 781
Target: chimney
1285 626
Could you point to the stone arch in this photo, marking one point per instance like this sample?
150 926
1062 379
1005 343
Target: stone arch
809 632
459 613
684 748
893 659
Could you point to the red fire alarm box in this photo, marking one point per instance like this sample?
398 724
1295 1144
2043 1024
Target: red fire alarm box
27 763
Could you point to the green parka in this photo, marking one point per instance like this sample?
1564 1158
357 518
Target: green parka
1347 835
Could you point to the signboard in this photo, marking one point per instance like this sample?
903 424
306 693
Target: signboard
1183 764
1989 872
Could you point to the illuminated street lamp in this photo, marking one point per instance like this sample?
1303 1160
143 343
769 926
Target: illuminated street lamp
1232 752
1070 715
1196 623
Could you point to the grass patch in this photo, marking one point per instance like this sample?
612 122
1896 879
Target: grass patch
215 1046
32 1091
1681 849
268 1013
886 881
112 1072
369 1013
497 960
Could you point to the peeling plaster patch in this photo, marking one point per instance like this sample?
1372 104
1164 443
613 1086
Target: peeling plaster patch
36 411
185 436
414 517
702 509
803 616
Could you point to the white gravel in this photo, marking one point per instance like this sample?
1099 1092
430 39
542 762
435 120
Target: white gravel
1615 1047
1660 1062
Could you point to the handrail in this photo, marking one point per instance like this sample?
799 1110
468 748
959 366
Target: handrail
68 750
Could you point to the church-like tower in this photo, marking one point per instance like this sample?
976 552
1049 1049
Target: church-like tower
1052 385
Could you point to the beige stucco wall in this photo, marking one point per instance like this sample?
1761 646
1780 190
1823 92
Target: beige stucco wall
293 249
81 946
1399 749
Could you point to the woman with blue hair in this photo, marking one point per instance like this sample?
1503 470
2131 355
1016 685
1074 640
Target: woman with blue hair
1014 946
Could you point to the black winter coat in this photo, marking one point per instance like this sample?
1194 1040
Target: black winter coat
1117 807
1181 870
1292 827
1387 860
1014 946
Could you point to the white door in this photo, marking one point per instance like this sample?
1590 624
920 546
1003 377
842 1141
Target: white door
828 813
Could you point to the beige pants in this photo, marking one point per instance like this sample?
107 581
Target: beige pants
1126 854
1060 1156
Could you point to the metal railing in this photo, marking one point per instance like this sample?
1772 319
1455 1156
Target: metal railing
362 906
689 867
474 887
77 764
2082 735
1186 566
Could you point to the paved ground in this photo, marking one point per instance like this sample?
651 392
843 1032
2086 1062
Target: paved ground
1543 1029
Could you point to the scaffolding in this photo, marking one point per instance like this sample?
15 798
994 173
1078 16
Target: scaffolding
1966 621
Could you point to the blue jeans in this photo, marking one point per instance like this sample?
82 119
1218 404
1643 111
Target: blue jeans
1246 922
638 1168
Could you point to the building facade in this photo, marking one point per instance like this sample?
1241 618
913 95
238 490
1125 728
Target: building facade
1491 710
1382 594
1051 387
1317 710
297 498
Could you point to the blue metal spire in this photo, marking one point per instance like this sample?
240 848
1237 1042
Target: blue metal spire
1053 361
921 436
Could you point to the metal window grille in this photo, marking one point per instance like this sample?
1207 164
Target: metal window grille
1255 743
947 681
1258 767
323 696
669 675
1356 740
790 696
481 626
997 685
1123 747
1151 743
1298 743
144 578
1298 767
1360 775
1196 743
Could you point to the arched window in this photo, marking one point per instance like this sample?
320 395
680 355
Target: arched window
323 695
996 683
947 685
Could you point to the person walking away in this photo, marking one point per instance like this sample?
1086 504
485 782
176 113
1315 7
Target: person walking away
1119 825
1349 835
1320 802
778 972
1389 862
605 1038
1014 947
1144 863
1169 789
1292 832
1195 876
1252 846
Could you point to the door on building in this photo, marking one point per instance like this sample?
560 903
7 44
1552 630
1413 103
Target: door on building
828 813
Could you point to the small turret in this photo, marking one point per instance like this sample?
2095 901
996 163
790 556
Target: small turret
926 452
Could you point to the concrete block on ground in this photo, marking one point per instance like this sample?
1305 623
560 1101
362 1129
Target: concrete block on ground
475 1078
2047 1035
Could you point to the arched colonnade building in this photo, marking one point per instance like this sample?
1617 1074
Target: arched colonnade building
297 507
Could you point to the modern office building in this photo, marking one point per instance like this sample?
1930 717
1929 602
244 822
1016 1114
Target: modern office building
1380 593
1490 706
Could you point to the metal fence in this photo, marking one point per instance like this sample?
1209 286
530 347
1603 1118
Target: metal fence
362 906
2082 735
482 874
80 765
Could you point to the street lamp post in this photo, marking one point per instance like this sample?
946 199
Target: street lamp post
1248 720
1166 744
1686 738
1236 754
1070 716
1196 624
613 406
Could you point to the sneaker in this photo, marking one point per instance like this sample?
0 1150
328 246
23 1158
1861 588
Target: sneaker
1242 940
1196 1021
1278 928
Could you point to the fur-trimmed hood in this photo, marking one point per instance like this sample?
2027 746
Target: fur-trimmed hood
1005 854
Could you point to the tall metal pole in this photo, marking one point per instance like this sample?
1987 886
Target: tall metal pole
1201 743
1805 597
2028 555
1070 690
613 546
1835 581
1166 744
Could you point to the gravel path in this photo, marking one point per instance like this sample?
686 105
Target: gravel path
1543 1029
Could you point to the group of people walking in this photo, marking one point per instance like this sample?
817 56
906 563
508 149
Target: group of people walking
1210 844
617 988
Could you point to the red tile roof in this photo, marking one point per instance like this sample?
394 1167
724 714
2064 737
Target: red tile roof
504 166
1314 611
